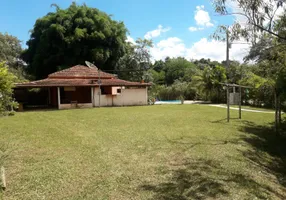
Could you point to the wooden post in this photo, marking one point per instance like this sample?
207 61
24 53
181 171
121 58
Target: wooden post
239 102
227 98
99 93
3 179
59 97
92 96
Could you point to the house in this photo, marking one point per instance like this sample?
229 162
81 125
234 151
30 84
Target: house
82 87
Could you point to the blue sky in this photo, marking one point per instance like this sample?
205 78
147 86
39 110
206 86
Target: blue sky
177 28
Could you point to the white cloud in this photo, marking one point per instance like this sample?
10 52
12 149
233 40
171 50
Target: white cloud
157 32
193 29
216 50
172 47
212 49
202 17
130 39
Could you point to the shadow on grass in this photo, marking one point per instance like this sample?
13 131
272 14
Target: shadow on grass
268 149
224 120
189 145
207 179
204 179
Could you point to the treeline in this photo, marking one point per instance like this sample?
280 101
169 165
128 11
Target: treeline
177 78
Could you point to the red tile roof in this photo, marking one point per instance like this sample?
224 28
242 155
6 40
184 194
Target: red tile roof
79 76
49 82
80 71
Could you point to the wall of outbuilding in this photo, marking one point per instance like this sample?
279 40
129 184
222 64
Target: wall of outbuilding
127 97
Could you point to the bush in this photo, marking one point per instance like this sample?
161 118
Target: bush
173 92
6 90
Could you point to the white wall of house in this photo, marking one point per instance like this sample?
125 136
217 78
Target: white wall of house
128 97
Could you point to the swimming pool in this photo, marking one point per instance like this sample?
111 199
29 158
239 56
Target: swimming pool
168 102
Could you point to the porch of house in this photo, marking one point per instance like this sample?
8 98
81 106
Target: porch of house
79 97
53 97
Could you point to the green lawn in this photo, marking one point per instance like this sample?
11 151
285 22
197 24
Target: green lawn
158 152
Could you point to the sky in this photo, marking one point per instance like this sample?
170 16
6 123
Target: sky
177 28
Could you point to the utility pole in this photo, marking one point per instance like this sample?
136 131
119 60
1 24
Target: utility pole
227 49
227 69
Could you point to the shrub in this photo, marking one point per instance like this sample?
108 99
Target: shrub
6 90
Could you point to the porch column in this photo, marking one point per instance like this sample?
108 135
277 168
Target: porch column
49 96
59 97
92 96
146 95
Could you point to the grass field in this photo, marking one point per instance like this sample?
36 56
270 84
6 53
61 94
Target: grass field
158 152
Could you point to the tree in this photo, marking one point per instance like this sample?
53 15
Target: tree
6 84
262 89
158 77
158 66
134 65
270 52
176 69
10 52
259 16
207 83
70 36
10 48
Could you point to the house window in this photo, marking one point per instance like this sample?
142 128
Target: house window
119 91
106 90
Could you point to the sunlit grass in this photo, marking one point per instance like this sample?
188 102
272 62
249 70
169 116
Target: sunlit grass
152 152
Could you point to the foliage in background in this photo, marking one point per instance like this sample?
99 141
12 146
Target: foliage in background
136 61
174 92
178 68
261 92
10 51
208 83
193 80
71 36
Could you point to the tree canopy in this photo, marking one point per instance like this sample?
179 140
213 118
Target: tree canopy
257 16
10 48
10 53
136 61
70 36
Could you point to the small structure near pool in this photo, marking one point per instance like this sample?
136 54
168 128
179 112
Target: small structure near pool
82 87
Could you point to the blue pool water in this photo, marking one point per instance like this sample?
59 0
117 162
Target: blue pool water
168 102
171 101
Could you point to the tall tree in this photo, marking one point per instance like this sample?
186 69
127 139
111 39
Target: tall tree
178 68
134 65
10 48
270 52
70 36
10 52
